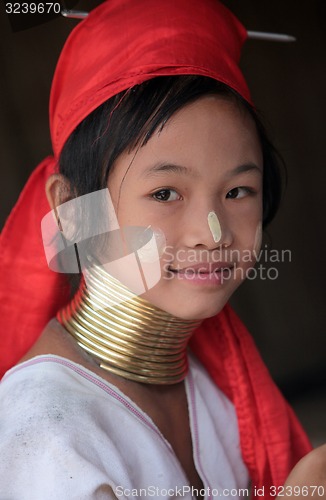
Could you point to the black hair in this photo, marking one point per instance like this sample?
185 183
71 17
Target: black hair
130 118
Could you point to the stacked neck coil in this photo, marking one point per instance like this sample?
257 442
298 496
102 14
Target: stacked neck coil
126 334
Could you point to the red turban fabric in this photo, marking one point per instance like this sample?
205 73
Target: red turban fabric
120 44
125 42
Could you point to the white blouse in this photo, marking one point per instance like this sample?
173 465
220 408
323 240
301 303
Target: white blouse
65 433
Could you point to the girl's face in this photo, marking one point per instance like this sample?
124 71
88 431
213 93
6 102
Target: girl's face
206 158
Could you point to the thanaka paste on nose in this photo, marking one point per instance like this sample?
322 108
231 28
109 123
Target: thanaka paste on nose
214 226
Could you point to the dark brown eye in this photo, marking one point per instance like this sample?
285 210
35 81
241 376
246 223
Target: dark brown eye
238 192
165 195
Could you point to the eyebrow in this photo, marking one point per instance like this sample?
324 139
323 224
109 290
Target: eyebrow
170 168
180 169
246 167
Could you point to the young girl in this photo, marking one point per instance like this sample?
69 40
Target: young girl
145 383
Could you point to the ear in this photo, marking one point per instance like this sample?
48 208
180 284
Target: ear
58 190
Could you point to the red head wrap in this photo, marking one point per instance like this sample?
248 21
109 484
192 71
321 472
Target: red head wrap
123 43
120 44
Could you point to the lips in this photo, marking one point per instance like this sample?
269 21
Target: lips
204 268
210 275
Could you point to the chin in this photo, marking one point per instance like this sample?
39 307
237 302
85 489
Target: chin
195 309
189 305
197 313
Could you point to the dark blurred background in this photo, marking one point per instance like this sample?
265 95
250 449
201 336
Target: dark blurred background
287 315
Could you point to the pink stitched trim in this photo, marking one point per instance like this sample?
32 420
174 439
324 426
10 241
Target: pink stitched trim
192 401
95 381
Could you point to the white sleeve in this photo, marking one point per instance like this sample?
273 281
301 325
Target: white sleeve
48 442
39 465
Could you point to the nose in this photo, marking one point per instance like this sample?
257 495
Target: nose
208 227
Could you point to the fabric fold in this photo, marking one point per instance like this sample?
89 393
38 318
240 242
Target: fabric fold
30 294
272 439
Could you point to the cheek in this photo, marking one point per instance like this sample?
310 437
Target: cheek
168 256
258 237
247 228
250 245
250 231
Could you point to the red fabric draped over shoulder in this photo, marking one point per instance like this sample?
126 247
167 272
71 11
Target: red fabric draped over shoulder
30 294
272 439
